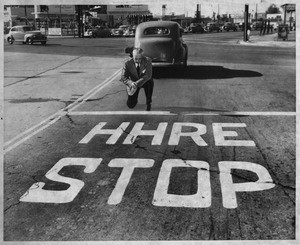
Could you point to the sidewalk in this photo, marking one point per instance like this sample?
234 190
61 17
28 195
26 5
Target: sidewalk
271 40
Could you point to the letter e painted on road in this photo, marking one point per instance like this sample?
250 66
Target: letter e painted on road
128 165
202 199
36 193
220 135
229 188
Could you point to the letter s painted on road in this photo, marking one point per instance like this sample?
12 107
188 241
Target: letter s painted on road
36 193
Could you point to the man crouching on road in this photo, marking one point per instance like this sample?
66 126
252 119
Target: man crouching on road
136 74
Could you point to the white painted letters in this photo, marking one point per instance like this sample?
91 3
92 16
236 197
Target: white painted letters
36 193
137 130
177 133
229 188
220 135
202 199
128 165
115 133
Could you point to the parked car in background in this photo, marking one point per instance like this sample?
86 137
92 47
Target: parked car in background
229 26
210 27
256 25
162 42
130 31
196 28
119 32
98 31
242 26
102 31
25 34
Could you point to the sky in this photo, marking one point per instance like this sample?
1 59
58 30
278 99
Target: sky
187 7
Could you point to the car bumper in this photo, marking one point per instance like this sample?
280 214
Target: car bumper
39 39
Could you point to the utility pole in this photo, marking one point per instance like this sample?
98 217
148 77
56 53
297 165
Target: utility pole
256 13
246 16
60 21
25 9
79 20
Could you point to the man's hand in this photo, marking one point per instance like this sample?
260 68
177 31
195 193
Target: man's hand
131 84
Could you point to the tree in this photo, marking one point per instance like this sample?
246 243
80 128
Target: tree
273 9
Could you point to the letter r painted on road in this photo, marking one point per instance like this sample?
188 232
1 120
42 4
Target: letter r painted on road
229 188
177 133
128 165
220 135
202 199
115 133
36 193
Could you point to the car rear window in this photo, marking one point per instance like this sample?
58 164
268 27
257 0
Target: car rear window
27 28
159 31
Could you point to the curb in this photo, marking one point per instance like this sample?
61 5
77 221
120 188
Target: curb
272 43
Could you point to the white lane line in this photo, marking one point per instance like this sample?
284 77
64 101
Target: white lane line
111 113
244 113
7 149
9 145
206 113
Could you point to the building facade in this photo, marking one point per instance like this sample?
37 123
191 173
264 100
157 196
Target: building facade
127 14
66 19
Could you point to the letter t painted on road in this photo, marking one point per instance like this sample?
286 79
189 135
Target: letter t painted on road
128 165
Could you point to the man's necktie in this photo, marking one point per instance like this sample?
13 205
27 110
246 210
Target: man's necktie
138 69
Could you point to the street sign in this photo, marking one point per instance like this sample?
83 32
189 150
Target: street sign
290 7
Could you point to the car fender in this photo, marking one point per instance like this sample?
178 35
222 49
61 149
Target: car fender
27 36
182 52
11 36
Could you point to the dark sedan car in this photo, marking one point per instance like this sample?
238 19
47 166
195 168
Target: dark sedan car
197 28
228 26
162 42
210 27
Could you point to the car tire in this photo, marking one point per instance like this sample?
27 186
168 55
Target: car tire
30 40
43 42
10 40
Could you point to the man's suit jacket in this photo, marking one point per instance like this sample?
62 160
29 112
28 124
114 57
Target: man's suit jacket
129 71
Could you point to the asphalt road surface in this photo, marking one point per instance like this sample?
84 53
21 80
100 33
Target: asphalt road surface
213 160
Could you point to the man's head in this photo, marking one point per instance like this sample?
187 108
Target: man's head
137 55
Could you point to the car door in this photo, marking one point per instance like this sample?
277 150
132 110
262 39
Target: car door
19 34
13 32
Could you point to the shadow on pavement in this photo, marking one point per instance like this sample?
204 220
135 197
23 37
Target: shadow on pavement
202 72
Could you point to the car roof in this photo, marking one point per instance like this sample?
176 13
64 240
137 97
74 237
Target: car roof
173 26
161 23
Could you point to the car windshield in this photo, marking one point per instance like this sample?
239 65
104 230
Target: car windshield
156 31
28 28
